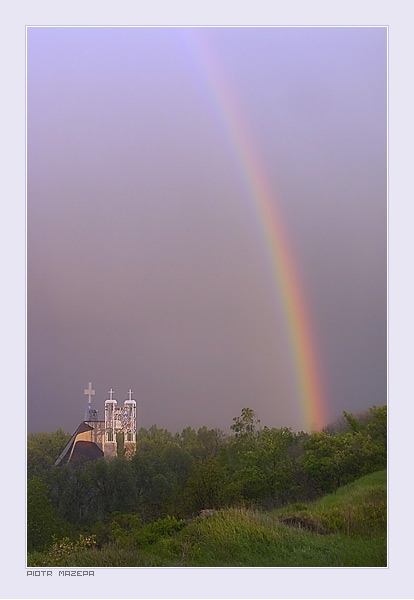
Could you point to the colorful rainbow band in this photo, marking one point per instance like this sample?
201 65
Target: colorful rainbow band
283 267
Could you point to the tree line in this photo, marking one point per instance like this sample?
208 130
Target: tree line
180 474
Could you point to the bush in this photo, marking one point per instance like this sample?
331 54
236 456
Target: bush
62 553
162 527
124 527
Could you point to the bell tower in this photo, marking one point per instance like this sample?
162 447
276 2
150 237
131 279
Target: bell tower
129 425
120 420
110 447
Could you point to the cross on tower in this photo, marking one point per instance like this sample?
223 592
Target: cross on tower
89 392
111 391
130 395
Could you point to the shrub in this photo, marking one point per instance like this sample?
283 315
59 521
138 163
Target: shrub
160 528
62 553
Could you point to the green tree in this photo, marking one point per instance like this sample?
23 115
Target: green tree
42 518
377 426
332 461
188 440
43 449
353 424
206 486
209 441
246 424
267 465
159 435
176 464
377 429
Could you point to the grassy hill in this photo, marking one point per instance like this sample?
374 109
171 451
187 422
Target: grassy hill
343 529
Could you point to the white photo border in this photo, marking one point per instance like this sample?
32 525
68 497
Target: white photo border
392 582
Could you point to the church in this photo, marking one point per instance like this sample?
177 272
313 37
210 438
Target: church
114 436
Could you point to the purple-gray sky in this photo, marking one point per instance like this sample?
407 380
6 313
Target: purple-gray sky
146 266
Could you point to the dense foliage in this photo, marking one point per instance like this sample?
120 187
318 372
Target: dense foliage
343 529
173 477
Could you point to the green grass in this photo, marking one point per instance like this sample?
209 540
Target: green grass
344 529
239 537
358 509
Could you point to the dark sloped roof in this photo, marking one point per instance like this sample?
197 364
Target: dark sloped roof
65 454
85 451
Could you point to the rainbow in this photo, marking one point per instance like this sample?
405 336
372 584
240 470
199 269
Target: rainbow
284 271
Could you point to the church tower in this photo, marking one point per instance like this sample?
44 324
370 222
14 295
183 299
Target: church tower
130 425
111 425
120 421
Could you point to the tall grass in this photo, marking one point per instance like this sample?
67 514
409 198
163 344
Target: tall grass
358 509
247 538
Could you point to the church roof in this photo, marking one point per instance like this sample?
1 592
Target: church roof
85 451
67 450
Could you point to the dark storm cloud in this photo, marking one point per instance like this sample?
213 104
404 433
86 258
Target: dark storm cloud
145 266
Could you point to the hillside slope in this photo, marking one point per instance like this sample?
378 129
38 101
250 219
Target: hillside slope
344 529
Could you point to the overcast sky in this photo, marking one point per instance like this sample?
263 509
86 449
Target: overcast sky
146 265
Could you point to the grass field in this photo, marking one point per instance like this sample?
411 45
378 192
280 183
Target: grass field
344 529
